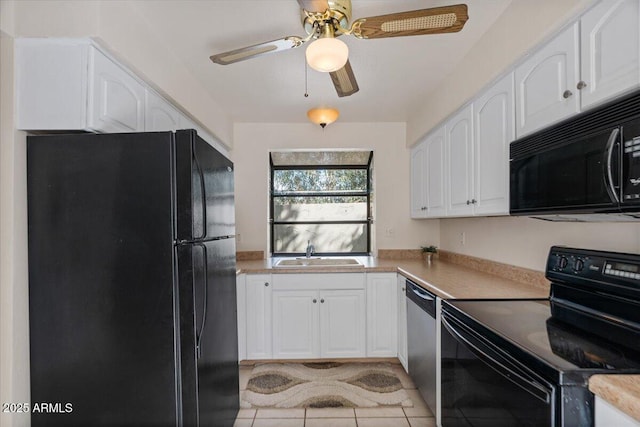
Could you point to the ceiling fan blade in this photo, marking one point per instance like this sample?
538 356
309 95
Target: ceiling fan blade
446 19
249 52
314 5
344 81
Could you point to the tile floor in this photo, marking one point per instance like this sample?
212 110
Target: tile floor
417 416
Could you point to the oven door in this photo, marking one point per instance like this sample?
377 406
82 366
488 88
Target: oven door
484 386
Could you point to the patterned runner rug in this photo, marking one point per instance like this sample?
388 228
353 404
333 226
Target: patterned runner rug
324 385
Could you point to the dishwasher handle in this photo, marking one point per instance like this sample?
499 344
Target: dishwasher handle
421 297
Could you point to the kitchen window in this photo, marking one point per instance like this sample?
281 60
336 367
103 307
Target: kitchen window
323 198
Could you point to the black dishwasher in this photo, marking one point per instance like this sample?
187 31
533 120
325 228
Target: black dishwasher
422 341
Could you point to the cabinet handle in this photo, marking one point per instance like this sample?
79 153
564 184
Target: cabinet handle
266 283
468 202
403 289
581 85
474 201
315 300
322 300
566 94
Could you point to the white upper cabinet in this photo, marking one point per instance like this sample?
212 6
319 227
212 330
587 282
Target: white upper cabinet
459 143
610 49
418 181
116 98
435 167
427 176
493 124
546 83
67 84
159 115
72 84
592 61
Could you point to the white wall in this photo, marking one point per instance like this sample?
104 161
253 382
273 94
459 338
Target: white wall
253 141
525 241
14 313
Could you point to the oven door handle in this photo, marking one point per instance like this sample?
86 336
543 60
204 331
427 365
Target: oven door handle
499 364
611 188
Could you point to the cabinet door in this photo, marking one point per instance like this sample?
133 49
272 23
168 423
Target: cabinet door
342 323
295 324
493 131
434 159
382 316
402 323
116 98
258 324
459 143
418 182
546 84
607 415
159 115
610 49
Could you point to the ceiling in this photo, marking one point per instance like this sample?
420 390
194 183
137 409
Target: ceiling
395 75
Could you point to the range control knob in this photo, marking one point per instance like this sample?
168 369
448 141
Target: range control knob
579 265
562 262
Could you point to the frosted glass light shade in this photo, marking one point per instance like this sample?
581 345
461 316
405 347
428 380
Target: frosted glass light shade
327 54
323 116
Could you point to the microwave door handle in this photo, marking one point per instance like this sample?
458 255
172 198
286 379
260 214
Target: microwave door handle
611 189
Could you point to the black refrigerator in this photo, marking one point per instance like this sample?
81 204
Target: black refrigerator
132 298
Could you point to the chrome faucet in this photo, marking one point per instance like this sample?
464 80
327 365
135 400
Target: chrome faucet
310 249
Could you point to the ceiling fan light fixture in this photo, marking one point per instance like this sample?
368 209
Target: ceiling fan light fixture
327 54
323 116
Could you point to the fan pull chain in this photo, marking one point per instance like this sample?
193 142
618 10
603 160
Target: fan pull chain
306 92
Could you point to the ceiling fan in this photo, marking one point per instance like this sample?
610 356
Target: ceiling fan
324 20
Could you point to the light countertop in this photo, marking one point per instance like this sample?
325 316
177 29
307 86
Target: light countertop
442 277
622 391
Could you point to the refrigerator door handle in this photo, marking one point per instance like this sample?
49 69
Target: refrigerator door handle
204 195
205 282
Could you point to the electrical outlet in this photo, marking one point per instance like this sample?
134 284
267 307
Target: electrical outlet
389 231
463 238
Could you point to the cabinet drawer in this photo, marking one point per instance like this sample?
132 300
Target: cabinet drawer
318 281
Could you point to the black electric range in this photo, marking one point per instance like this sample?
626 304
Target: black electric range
528 362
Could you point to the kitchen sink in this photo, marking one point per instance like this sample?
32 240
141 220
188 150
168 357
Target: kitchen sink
318 262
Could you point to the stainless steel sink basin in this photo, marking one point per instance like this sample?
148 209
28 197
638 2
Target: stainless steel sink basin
318 262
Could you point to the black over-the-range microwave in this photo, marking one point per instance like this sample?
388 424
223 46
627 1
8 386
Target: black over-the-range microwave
588 164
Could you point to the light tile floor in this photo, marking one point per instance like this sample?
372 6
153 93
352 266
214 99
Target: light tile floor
417 416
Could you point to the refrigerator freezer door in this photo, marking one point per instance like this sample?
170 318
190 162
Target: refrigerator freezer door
205 192
101 279
207 275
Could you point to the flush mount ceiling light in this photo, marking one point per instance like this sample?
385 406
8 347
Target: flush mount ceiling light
327 54
323 116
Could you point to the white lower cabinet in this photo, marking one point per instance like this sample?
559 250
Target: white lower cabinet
403 351
318 316
258 316
382 315
312 324
607 415
296 324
